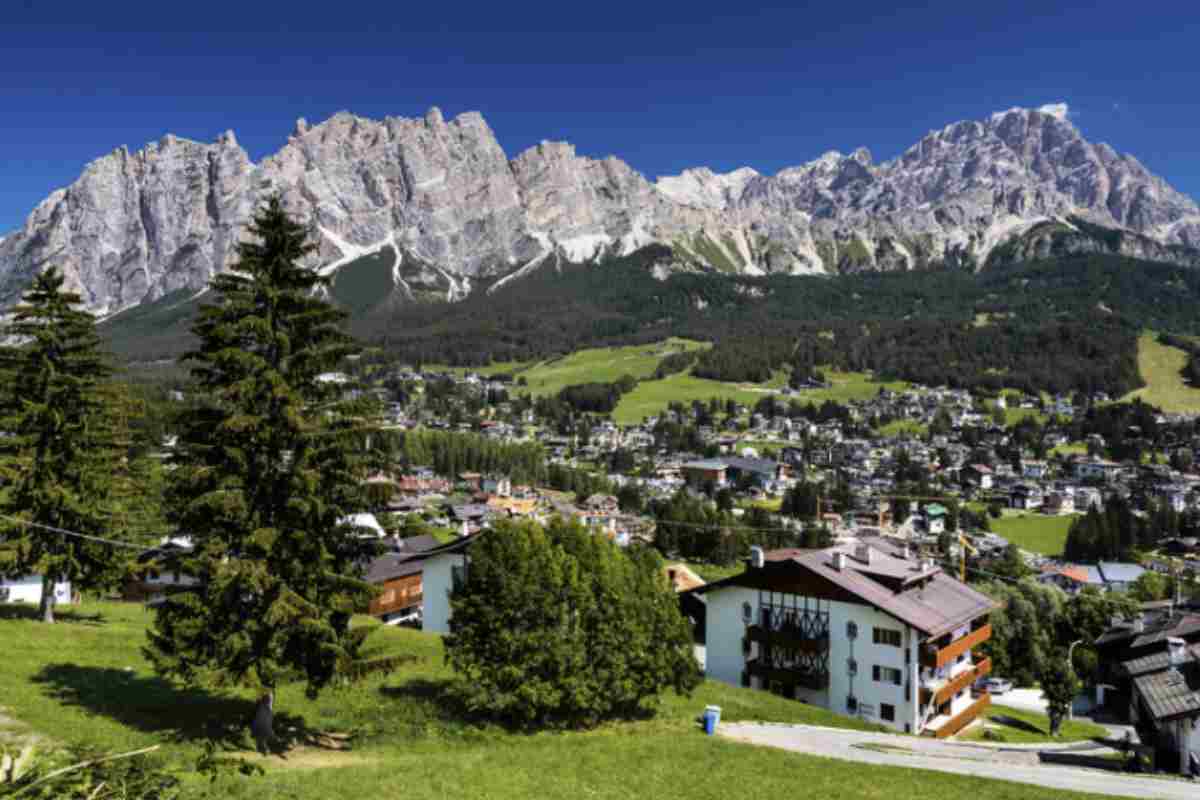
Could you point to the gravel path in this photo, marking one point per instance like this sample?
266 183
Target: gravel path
1021 766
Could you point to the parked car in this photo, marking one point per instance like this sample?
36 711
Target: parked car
997 685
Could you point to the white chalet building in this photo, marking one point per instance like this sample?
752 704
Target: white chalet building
865 630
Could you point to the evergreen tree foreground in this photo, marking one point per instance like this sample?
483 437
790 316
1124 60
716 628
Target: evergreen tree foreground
559 627
266 473
55 462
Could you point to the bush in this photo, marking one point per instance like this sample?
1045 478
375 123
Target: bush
557 626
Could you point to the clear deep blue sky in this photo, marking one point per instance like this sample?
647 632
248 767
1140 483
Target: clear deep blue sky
662 85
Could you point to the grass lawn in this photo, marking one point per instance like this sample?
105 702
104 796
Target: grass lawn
84 680
602 365
1017 726
1070 449
1014 415
904 427
1037 533
652 397
1165 387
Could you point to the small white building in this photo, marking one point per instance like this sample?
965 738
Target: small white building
28 589
860 629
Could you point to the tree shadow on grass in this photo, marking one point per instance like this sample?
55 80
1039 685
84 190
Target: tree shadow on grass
153 705
31 613
1016 724
441 701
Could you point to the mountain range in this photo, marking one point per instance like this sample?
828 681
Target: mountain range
457 213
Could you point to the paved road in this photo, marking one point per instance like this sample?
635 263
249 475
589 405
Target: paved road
1020 766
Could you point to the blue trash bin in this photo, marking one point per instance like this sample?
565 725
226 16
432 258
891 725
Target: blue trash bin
712 715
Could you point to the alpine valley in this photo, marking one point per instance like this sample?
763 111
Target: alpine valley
447 213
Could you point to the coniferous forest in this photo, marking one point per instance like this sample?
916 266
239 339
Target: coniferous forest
1066 324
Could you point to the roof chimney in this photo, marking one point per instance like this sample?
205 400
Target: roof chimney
1177 651
757 557
1139 624
863 553
839 560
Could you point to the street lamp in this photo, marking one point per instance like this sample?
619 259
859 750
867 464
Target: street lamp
1071 666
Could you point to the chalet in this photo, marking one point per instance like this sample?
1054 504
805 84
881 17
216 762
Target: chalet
699 474
935 518
154 576
979 476
1026 497
398 575
1071 578
1164 703
1059 503
866 630
757 471
1096 470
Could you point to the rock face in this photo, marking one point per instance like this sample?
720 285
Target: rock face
454 207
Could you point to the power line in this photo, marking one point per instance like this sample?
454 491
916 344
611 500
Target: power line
76 534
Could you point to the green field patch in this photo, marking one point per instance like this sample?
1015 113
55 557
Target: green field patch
1017 726
1037 533
601 365
1160 366
904 427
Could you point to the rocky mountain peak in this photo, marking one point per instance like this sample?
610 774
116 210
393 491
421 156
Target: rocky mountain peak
451 203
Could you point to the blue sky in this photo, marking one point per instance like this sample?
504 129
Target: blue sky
662 85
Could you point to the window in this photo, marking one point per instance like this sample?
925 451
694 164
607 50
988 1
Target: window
852 666
852 704
888 636
458 576
886 675
747 613
851 630
887 712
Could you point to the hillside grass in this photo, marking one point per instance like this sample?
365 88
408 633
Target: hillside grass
1037 533
1018 726
600 365
652 397
1160 366
85 681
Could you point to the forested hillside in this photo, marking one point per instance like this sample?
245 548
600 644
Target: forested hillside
1066 323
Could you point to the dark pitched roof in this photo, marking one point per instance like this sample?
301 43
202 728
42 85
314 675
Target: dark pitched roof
390 566
1158 627
758 465
1172 692
935 604
1155 662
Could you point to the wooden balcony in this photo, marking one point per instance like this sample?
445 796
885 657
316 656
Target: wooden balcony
790 640
968 715
963 680
936 659
807 679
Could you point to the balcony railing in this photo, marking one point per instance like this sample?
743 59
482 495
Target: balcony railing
789 639
962 720
938 658
941 691
808 679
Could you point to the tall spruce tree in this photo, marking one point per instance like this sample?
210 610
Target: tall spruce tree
54 460
268 470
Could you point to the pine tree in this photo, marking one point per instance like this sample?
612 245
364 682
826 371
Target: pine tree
54 460
267 471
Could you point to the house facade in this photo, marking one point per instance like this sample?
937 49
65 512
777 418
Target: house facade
443 568
28 589
864 630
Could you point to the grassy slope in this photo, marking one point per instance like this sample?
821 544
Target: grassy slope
1160 366
651 397
603 364
70 682
1037 533
1018 726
